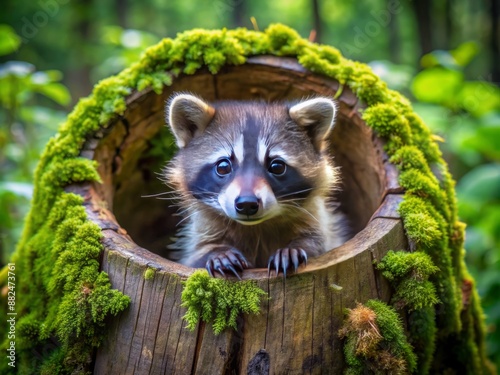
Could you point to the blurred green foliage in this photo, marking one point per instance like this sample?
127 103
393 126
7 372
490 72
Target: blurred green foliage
26 125
467 114
52 52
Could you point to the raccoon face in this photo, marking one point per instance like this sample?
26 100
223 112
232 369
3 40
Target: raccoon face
250 161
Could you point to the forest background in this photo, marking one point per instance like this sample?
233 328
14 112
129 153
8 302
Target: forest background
444 55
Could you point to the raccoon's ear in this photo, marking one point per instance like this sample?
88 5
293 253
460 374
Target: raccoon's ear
188 116
317 116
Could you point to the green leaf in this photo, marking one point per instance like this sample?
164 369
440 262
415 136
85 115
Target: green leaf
438 58
55 91
9 40
435 116
486 141
481 184
44 116
397 77
479 97
437 85
465 52
112 35
47 76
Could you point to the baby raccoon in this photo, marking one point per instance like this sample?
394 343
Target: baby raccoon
254 181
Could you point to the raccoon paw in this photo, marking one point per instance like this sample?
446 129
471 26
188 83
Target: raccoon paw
284 258
226 260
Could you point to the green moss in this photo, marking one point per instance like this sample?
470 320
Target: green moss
57 257
375 341
149 274
409 275
428 231
69 299
413 291
282 40
391 329
218 301
397 266
422 336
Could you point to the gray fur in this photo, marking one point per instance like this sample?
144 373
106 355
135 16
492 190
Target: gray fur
310 223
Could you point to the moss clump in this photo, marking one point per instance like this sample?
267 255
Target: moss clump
57 263
65 299
375 341
409 274
428 231
218 301
149 274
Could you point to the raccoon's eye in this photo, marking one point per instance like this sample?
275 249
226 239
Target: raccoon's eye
277 167
223 167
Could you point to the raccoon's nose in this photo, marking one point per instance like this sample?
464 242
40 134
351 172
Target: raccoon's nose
248 205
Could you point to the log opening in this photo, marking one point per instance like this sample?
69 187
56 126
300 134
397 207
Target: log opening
296 331
137 146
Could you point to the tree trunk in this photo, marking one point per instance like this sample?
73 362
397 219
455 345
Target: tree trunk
296 331
121 7
495 41
239 13
394 42
317 21
78 77
449 34
423 14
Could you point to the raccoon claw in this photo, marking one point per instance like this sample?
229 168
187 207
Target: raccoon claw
230 260
283 258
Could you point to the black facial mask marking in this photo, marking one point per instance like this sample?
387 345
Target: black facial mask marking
207 184
290 185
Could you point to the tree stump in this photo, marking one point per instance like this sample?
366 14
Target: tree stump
91 268
296 331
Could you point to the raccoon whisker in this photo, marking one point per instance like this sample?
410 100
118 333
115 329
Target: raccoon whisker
159 194
292 199
204 191
294 192
187 217
245 133
300 208
194 208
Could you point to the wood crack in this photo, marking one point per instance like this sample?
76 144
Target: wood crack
135 329
199 341
283 313
165 354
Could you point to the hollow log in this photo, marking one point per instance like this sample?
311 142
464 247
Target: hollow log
296 331
95 289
